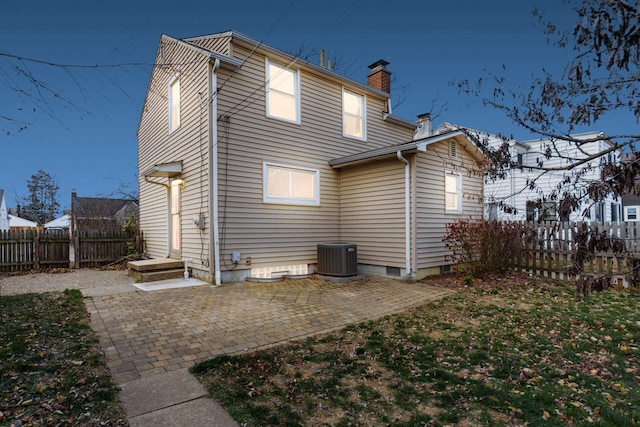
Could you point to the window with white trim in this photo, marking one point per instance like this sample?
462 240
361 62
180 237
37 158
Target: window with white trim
354 107
453 192
290 185
630 213
174 103
283 93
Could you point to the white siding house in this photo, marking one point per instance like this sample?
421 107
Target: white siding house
15 222
527 182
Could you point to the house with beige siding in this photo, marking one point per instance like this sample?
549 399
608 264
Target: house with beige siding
250 157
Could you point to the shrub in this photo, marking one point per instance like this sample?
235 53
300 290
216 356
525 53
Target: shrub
481 247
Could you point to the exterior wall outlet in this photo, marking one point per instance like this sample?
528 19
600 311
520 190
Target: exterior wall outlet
235 257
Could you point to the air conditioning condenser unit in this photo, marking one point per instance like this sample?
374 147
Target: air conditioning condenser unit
337 259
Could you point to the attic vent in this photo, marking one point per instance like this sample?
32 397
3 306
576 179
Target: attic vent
453 149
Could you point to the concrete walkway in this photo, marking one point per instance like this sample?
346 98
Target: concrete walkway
150 339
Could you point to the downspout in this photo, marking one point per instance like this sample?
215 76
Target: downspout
407 213
214 231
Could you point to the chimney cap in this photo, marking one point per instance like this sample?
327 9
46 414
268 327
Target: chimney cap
380 62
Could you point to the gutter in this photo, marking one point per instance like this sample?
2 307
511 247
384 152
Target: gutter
214 231
407 213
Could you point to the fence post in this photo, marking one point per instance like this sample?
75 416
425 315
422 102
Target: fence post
76 249
36 250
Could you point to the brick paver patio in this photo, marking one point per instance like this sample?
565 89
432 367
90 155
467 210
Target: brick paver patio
147 333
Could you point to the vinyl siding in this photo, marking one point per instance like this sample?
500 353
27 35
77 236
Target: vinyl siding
372 212
187 144
431 217
272 234
264 234
217 43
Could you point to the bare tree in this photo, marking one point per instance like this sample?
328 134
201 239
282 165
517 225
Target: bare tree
601 79
41 204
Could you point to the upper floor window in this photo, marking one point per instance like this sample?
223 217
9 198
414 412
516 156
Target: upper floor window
453 192
283 93
291 185
174 103
353 115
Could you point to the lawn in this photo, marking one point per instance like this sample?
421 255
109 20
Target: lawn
51 369
516 351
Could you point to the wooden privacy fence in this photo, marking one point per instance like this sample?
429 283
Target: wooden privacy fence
551 252
24 250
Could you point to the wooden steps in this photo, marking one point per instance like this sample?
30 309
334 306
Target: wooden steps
151 270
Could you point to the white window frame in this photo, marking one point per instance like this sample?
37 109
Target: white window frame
362 117
458 193
173 104
627 213
313 201
295 96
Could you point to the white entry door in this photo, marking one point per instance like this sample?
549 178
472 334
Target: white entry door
175 232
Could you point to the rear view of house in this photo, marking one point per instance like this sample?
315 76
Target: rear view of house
249 158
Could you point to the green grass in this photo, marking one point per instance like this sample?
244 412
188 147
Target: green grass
493 354
51 368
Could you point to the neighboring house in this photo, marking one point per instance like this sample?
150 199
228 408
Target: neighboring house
17 223
249 158
4 213
61 223
101 213
514 191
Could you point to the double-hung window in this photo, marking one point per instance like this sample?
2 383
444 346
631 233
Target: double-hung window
353 115
283 92
174 103
631 213
453 192
290 185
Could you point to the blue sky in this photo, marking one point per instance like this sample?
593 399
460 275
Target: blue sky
79 124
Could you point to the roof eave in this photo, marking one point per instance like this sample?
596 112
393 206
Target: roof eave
419 145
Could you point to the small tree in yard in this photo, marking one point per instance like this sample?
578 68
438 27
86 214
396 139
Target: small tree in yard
485 247
41 205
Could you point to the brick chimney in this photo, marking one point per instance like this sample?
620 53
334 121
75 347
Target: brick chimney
380 77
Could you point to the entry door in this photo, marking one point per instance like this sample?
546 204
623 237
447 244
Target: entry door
175 231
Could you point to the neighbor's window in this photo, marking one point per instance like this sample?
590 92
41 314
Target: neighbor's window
283 94
548 211
291 185
631 214
174 103
531 211
353 115
453 192
615 208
